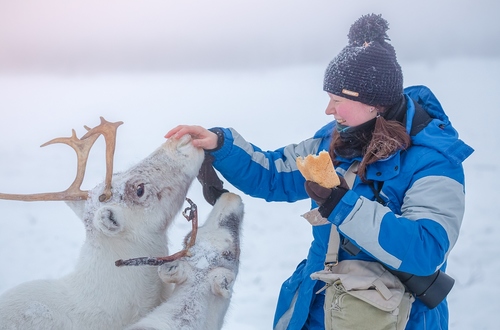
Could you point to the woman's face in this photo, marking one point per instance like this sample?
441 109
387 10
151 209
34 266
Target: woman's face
348 112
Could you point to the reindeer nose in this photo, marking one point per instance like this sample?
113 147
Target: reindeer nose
184 141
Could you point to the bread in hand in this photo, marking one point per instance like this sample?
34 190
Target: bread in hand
318 168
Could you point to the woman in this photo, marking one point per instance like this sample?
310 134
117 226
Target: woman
406 204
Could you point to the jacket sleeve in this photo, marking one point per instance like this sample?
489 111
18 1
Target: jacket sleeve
271 175
419 237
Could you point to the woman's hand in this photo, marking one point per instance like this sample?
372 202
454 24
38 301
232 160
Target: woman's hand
202 137
326 198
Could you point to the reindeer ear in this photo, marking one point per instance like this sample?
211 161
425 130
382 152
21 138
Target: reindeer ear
109 221
173 272
222 280
78 207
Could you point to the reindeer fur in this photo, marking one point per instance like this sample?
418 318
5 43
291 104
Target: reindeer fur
133 223
205 279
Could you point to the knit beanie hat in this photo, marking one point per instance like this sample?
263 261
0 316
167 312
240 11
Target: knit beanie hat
366 70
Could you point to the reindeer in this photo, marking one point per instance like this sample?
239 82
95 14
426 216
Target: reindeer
204 277
126 218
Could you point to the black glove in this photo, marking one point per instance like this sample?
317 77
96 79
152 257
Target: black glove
326 198
212 185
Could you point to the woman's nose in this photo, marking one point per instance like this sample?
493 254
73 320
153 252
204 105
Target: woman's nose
330 109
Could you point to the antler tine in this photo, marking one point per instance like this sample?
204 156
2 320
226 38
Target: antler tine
82 148
108 130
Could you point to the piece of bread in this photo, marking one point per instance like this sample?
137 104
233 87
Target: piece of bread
319 168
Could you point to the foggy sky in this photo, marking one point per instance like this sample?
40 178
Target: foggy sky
156 35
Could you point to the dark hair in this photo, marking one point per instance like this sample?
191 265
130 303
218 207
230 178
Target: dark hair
388 137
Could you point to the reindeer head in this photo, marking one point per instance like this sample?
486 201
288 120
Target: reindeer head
218 240
147 196
217 247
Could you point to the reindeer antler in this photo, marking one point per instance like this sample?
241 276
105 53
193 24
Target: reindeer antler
82 148
108 130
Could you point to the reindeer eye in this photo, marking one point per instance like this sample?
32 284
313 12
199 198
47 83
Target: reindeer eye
140 190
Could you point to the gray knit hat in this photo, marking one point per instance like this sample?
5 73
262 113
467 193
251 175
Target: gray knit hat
366 70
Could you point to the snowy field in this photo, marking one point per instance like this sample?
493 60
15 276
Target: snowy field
270 108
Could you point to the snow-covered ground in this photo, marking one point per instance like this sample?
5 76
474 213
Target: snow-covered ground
270 108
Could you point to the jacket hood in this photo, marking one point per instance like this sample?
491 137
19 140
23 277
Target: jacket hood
439 134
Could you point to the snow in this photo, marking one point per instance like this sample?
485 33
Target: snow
270 108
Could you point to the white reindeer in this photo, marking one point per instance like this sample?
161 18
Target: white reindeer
204 280
126 219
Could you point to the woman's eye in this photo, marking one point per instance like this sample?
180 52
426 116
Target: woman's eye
140 190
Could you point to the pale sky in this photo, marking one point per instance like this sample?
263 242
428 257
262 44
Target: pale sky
156 35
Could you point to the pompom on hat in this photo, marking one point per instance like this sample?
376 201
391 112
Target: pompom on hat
366 70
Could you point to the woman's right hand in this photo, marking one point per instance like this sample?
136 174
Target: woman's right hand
201 137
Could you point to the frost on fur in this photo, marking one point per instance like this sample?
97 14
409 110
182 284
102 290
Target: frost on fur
132 221
204 280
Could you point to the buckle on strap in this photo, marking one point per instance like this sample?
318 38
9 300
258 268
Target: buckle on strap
329 265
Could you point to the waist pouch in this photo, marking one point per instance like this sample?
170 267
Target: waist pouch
363 295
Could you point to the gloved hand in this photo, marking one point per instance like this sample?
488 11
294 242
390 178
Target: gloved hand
326 198
212 185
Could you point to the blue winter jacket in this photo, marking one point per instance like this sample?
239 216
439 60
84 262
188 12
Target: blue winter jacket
413 231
